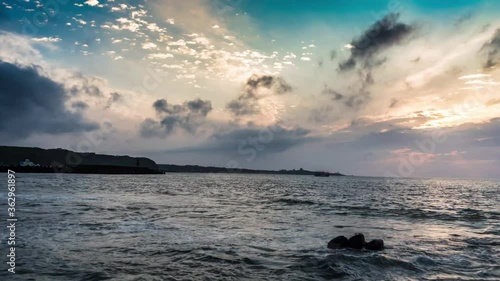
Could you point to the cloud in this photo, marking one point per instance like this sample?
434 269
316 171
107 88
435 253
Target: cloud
381 35
187 116
242 142
199 106
149 46
365 51
464 18
493 102
247 101
47 39
31 103
79 105
277 139
92 2
19 49
83 85
242 107
332 93
492 50
354 97
114 98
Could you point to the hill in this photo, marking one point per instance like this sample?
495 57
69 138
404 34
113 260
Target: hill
38 160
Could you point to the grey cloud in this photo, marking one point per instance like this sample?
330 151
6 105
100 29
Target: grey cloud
393 103
79 105
199 106
358 99
246 103
242 107
255 82
240 142
492 50
369 78
151 128
355 96
479 135
333 55
467 137
332 93
188 116
353 99
381 35
162 106
273 139
86 86
31 103
114 98
464 18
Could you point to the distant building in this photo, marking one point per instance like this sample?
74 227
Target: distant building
27 163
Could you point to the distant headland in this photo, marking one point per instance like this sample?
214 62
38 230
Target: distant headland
38 160
202 169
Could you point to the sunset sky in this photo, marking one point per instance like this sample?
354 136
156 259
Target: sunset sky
376 88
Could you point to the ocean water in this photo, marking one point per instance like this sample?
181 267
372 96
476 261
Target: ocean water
251 227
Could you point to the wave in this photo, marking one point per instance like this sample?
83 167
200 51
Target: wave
293 201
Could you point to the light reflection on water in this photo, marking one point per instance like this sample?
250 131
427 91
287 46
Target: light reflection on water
253 227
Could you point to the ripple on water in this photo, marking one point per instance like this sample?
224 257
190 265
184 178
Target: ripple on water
255 227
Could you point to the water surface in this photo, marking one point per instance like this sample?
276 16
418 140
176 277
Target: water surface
252 227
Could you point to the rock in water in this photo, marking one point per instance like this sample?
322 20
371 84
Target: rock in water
375 245
338 242
357 241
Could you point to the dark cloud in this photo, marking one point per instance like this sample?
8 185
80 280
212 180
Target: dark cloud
332 93
187 116
242 142
354 97
393 103
369 78
242 107
79 105
320 63
151 128
162 106
474 135
392 139
463 18
246 103
365 52
275 138
31 103
392 134
86 86
381 35
277 84
333 54
114 98
199 106
358 99
492 50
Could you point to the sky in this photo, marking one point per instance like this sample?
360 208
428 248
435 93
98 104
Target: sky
373 88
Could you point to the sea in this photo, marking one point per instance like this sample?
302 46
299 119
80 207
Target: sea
250 227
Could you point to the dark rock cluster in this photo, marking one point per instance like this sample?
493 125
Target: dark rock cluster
355 242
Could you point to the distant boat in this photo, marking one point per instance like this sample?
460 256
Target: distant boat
321 174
